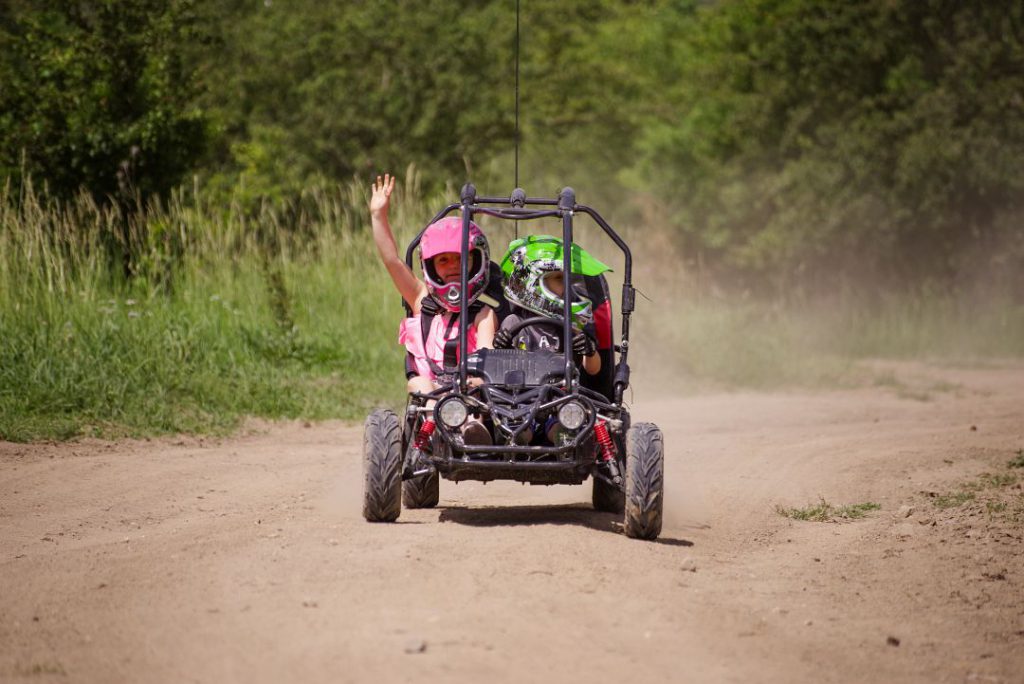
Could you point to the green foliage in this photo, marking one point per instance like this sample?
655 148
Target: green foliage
801 145
96 94
309 89
1018 460
801 151
306 331
812 140
823 511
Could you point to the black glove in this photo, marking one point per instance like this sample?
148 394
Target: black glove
503 339
583 345
429 306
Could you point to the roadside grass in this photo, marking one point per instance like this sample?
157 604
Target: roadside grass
745 344
999 495
953 500
229 315
823 511
234 310
743 341
1018 460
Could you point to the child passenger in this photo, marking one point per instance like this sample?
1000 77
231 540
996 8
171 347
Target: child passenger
437 295
535 282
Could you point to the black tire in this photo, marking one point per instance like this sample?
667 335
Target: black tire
422 492
645 481
382 467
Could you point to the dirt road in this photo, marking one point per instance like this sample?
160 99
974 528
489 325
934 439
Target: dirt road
246 559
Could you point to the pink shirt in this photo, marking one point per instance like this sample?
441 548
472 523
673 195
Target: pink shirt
410 335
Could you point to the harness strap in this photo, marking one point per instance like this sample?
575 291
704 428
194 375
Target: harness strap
427 322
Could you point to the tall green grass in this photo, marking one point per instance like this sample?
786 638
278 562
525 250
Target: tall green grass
751 344
733 340
229 312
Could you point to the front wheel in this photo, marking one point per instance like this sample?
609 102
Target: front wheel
645 481
382 467
422 492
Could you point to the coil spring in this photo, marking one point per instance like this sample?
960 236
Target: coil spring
605 441
424 434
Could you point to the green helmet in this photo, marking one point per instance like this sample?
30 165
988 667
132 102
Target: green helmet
534 279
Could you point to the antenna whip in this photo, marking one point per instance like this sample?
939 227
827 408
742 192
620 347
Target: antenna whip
517 95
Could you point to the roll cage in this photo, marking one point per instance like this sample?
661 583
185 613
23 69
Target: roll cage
519 207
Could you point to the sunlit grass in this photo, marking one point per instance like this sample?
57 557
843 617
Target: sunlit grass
223 329
757 345
823 511
280 312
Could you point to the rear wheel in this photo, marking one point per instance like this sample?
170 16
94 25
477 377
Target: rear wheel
422 492
645 481
382 467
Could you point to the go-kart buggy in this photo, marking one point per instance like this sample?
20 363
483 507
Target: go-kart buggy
511 390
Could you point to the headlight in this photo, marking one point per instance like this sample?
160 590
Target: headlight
452 412
572 415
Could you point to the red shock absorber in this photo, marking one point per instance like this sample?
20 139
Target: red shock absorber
604 440
423 436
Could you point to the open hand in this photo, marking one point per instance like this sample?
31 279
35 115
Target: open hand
381 194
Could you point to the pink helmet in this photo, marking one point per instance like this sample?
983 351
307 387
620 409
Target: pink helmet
445 236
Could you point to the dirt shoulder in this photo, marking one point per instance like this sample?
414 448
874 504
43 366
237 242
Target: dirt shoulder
246 559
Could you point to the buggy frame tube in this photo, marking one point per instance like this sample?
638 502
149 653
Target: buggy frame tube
628 293
566 201
468 197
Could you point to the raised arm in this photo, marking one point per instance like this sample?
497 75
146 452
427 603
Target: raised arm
411 288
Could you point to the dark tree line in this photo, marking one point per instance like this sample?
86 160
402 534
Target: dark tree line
788 142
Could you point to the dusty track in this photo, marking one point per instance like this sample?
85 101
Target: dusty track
246 560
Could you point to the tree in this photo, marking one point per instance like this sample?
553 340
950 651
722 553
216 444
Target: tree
96 94
815 138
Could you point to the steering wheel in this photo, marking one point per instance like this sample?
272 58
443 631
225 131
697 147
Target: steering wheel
554 322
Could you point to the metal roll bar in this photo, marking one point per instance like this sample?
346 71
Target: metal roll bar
516 207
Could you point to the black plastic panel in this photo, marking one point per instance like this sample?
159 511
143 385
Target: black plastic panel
538 368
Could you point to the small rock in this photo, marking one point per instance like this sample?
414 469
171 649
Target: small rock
415 646
905 512
892 641
309 603
808 623
974 428
688 565
904 530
